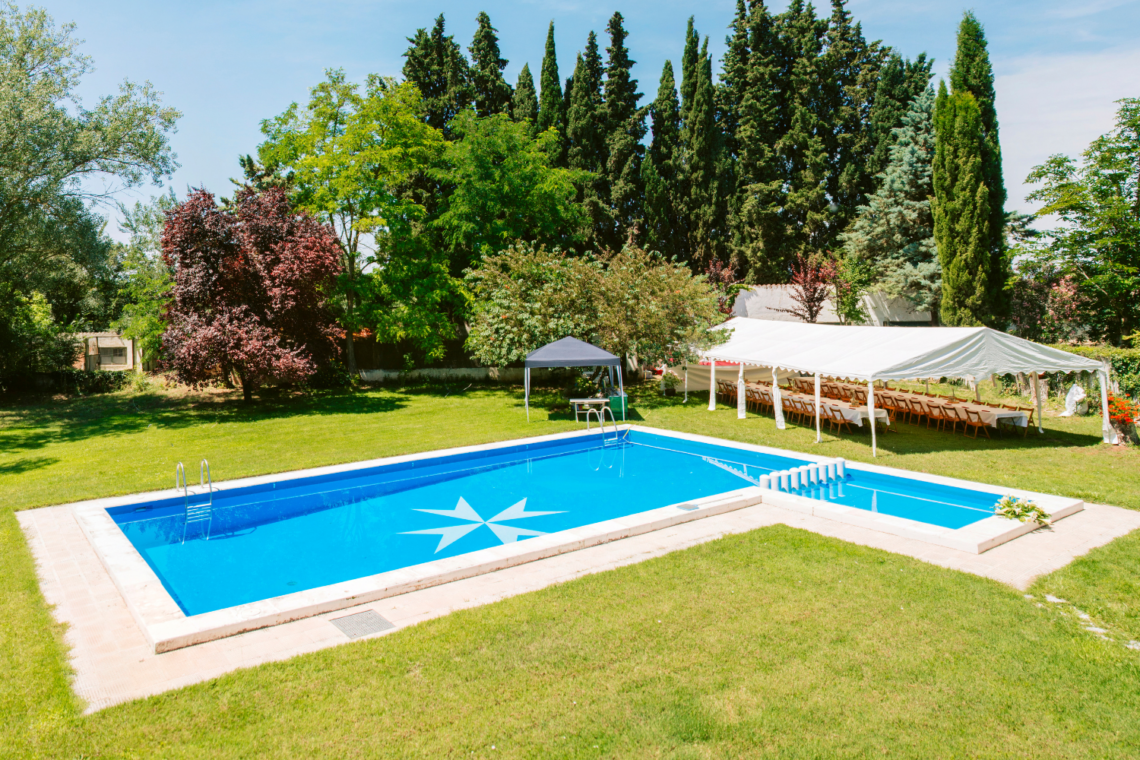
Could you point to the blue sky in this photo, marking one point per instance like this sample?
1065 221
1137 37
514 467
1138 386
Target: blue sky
228 65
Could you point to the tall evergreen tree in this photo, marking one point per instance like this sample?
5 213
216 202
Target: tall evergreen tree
662 173
436 66
802 150
962 210
894 231
524 106
625 130
756 226
552 108
734 80
586 138
900 82
703 144
850 72
689 62
973 73
490 91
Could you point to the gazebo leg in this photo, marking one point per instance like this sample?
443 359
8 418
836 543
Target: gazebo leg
740 393
1037 398
712 386
818 433
871 414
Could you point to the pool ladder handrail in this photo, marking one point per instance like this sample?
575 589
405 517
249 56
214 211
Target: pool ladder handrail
202 512
602 423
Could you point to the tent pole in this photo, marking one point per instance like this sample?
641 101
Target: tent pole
1107 429
777 401
871 413
1037 398
621 392
928 386
526 391
818 434
740 393
712 386
686 383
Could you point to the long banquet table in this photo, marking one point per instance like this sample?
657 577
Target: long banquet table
989 415
853 413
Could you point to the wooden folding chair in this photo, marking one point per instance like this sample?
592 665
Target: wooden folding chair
935 413
953 416
974 422
1028 420
766 403
836 418
917 410
860 396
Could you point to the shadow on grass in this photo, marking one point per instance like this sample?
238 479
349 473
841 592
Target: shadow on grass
20 466
31 427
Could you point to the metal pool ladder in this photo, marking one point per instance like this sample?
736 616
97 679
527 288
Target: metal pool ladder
203 511
602 424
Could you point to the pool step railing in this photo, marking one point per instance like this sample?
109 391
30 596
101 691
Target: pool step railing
808 476
202 512
600 414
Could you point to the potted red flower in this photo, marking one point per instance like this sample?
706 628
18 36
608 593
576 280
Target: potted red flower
1122 415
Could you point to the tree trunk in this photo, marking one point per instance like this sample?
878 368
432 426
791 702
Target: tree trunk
246 390
349 349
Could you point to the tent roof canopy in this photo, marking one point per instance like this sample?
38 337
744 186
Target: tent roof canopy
570 352
889 353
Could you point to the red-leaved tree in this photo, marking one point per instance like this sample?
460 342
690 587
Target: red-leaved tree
810 287
250 290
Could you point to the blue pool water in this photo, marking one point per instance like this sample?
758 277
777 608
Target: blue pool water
302 533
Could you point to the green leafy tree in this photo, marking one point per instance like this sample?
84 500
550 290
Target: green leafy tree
632 303
146 278
973 73
350 152
436 66
1097 200
703 159
962 210
490 91
506 190
893 232
524 107
552 107
58 158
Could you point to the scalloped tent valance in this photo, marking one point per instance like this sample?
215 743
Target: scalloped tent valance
889 353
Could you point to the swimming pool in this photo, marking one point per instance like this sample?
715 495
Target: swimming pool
295 534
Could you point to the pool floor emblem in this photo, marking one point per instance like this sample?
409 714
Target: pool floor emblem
508 534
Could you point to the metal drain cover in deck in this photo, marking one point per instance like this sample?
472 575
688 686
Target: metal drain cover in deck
362 624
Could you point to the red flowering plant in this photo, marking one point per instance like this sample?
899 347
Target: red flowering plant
1122 411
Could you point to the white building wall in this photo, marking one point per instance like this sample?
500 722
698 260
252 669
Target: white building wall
767 301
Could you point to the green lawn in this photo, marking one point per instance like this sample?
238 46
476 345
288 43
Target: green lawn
776 642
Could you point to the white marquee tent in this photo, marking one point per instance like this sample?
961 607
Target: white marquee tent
868 354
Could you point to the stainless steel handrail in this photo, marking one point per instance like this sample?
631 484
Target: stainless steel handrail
180 478
205 479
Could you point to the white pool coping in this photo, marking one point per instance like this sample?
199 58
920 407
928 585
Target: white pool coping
167 628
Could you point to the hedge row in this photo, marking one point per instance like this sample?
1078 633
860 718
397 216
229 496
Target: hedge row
1125 363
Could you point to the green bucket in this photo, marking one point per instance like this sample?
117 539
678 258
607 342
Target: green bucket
618 406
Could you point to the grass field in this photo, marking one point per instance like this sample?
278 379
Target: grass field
775 642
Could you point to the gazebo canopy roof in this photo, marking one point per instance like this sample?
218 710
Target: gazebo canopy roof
889 353
570 352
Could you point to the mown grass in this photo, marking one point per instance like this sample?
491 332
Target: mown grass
776 642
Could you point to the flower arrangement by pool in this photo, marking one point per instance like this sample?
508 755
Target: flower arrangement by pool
1021 510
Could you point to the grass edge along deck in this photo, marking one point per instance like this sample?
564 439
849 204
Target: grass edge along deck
167 628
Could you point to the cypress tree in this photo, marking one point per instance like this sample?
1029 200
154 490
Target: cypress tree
850 71
689 61
973 73
757 229
662 173
702 143
552 109
734 80
894 231
586 139
524 106
801 150
625 129
490 91
962 209
436 66
900 82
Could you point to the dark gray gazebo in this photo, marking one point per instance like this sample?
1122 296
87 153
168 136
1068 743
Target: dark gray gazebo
571 352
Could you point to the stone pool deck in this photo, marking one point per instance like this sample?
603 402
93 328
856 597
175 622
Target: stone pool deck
114 663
